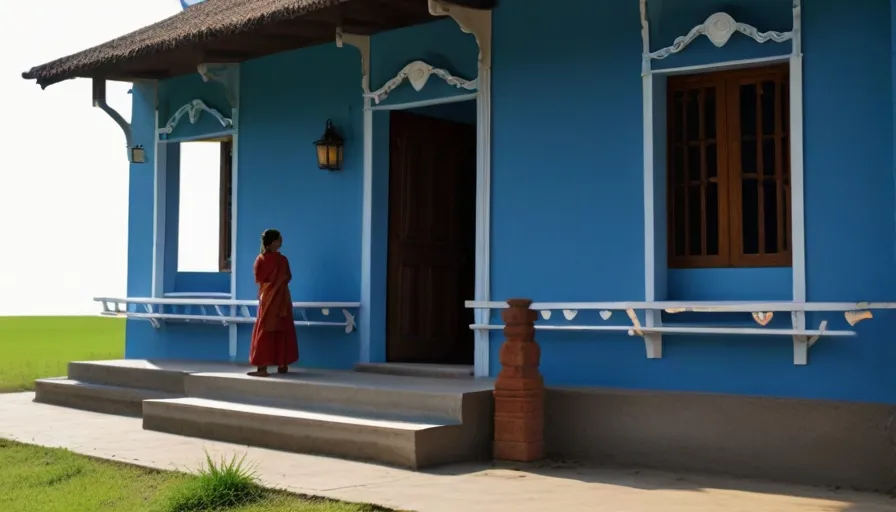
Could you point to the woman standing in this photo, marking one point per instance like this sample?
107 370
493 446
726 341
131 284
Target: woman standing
274 336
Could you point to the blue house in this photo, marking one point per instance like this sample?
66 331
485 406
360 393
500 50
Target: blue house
697 195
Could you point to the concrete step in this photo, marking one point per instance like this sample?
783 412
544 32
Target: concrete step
409 442
128 374
447 399
124 401
417 370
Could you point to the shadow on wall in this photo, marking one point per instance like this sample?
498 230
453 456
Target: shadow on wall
459 112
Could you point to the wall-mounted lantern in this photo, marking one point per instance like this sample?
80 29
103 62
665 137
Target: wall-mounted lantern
329 149
136 155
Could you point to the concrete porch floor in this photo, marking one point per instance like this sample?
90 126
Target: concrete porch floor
403 421
467 487
385 379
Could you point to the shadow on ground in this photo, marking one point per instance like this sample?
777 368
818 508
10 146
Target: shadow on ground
655 480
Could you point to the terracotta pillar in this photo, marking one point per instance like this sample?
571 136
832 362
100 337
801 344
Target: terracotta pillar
519 389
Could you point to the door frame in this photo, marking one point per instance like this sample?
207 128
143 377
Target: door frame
372 316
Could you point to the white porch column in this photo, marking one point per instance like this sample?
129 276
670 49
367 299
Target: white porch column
478 22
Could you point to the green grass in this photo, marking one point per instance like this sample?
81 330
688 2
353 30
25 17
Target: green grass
36 347
39 479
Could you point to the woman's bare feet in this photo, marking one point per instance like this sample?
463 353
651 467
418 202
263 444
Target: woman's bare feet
261 372
283 369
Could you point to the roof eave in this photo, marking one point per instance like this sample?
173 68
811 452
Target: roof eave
50 73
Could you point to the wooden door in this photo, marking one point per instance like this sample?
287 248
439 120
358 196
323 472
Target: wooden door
432 223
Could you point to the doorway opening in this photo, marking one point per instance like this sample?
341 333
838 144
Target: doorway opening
432 234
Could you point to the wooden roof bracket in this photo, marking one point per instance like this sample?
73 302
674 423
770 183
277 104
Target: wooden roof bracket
136 154
471 21
227 74
362 43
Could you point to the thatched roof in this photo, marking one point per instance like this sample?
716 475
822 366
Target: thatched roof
245 28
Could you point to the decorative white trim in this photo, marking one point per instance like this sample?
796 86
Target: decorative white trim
362 43
159 191
197 295
193 110
653 341
226 74
367 236
155 311
198 137
234 87
418 73
803 339
457 98
719 28
675 306
718 66
483 213
797 186
221 302
478 22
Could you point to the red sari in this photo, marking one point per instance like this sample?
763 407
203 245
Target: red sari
274 336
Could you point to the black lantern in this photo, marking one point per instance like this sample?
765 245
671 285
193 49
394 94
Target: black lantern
329 149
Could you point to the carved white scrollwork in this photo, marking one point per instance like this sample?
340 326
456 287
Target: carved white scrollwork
719 28
193 110
418 73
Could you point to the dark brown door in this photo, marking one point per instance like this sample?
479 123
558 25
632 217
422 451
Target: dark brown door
432 223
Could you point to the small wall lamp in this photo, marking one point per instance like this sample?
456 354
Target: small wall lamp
329 149
136 155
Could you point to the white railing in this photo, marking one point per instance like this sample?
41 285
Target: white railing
198 295
762 313
217 310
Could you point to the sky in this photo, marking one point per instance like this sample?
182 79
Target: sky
64 169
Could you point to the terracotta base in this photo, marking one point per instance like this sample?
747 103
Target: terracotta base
518 452
519 389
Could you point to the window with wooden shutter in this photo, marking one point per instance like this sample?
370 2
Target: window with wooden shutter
225 206
729 169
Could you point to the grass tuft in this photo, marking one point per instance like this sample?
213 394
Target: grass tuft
219 485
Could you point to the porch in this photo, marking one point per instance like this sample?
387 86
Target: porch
397 420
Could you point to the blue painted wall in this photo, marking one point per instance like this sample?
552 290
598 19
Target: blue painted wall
567 199
177 92
279 185
283 111
590 242
140 216
440 44
172 341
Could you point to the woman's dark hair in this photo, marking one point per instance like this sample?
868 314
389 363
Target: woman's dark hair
268 237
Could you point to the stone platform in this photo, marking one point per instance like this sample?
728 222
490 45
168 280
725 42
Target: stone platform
404 421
